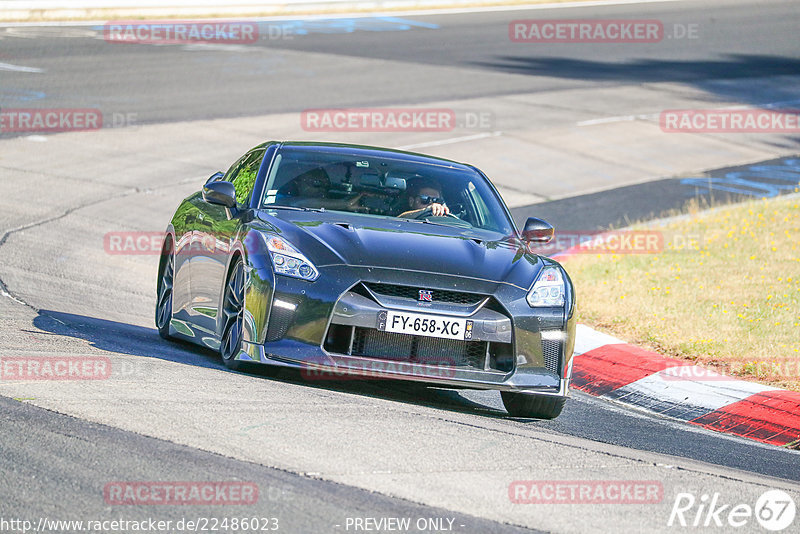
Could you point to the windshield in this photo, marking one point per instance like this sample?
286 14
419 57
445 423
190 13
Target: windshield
384 186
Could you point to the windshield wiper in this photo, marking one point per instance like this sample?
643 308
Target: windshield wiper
426 221
459 224
295 208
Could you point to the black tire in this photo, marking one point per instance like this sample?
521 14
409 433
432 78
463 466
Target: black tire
232 329
166 275
537 406
233 317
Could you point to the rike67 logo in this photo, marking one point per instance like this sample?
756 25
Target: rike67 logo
774 511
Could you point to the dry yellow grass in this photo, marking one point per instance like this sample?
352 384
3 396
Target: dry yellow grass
729 301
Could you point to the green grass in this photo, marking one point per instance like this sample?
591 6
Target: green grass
730 301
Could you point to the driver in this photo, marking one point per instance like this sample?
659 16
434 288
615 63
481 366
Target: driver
425 195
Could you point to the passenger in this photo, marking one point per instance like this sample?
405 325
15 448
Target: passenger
310 190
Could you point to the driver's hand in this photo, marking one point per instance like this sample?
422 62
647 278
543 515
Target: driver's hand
439 210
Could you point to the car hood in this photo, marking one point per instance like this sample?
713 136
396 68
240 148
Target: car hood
334 238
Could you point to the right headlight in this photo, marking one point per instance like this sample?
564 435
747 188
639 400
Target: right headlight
548 290
289 261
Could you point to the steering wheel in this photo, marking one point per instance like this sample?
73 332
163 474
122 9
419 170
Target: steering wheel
427 212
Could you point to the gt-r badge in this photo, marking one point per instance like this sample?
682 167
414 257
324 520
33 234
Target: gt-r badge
425 295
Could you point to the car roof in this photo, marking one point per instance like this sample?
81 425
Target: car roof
374 151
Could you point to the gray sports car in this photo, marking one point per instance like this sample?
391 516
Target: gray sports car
357 261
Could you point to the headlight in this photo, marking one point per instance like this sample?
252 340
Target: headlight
288 261
548 289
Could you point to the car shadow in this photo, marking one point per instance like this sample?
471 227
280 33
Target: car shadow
707 75
145 342
124 338
728 66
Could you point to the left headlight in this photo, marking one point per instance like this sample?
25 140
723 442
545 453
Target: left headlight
548 289
289 261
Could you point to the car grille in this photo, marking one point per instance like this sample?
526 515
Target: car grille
412 292
280 319
373 343
551 352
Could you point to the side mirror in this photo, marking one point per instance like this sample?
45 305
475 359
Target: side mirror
216 176
537 231
222 193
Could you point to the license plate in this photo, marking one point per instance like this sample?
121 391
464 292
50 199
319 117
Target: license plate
424 324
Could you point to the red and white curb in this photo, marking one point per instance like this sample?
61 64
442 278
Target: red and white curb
606 367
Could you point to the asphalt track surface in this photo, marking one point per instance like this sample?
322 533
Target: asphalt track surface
402 60
321 453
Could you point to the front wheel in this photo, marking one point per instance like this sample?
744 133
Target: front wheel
537 406
233 316
166 277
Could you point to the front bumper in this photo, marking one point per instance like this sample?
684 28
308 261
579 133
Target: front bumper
323 333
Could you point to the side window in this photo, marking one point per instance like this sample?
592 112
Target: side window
243 175
234 169
482 215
